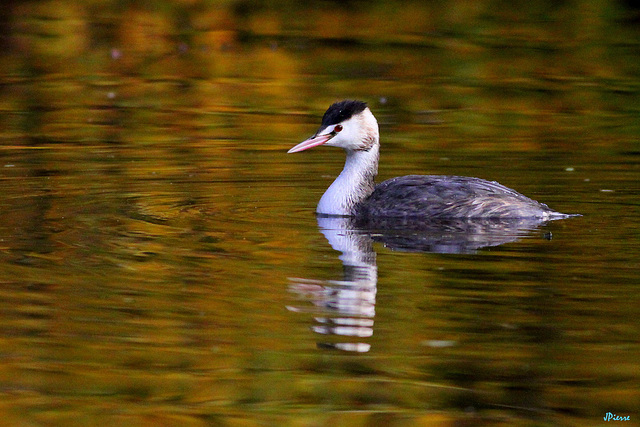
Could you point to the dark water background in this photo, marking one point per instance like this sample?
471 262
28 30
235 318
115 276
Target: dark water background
160 263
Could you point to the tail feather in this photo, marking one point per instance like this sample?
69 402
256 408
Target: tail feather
553 215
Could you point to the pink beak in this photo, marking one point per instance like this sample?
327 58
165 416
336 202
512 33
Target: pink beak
314 141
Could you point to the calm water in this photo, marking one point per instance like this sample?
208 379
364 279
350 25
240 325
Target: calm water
161 264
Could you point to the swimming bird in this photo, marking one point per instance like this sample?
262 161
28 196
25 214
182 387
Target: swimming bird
351 126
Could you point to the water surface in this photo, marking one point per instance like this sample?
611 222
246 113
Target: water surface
161 264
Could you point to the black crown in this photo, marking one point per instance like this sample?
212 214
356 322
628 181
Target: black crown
341 111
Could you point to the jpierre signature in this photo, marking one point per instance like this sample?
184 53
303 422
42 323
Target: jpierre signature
613 417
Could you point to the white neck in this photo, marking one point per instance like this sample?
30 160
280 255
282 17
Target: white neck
354 184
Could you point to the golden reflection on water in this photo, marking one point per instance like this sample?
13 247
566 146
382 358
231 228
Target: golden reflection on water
150 218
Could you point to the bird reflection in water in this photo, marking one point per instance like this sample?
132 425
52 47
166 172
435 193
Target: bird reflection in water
345 309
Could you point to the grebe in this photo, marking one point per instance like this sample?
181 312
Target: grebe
351 125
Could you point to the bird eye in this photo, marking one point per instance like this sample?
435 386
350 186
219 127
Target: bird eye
338 128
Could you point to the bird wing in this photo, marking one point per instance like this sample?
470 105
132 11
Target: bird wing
441 196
